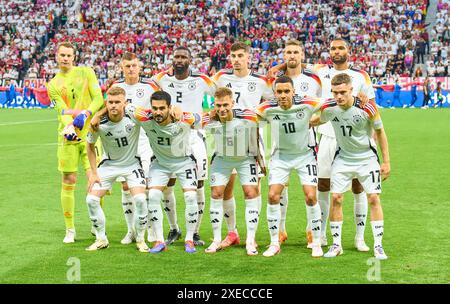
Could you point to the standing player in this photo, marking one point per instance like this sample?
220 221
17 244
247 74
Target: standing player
72 88
120 137
170 142
187 90
356 157
236 147
138 92
248 89
289 119
305 84
327 144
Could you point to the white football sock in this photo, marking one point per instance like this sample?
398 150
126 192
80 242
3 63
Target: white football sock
128 209
155 214
314 217
141 217
336 232
273 221
251 217
323 198
284 200
201 207
97 216
360 213
378 231
170 207
216 214
229 213
191 214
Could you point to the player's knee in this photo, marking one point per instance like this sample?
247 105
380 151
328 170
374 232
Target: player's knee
190 198
70 178
140 200
337 199
125 187
323 184
373 199
310 198
357 188
154 196
251 192
217 192
93 201
274 197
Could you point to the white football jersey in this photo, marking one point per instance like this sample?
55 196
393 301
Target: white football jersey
248 91
290 128
119 141
360 81
353 128
306 84
139 95
188 93
169 143
235 139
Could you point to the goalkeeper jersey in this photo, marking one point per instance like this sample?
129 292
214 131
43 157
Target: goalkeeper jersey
78 90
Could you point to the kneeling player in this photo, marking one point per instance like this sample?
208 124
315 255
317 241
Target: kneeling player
119 135
290 137
355 158
169 140
235 134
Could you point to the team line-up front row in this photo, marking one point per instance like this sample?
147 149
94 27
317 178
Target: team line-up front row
236 140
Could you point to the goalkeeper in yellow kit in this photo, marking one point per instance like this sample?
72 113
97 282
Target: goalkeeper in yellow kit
76 96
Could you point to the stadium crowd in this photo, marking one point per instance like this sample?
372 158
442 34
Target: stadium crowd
387 37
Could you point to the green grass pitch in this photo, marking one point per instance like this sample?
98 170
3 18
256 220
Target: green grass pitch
415 199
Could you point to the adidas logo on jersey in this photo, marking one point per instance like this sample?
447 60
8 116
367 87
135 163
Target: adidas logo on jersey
192 222
255 220
109 134
336 119
360 224
229 85
128 211
336 235
378 187
276 117
214 221
314 180
273 227
316 229
327 76
171 85
253 180
154 219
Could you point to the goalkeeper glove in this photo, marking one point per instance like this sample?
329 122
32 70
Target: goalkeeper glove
81 118
70 134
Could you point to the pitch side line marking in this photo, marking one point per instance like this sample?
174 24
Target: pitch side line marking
26 122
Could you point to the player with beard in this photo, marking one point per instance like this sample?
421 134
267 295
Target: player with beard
339 51
249 89
187 90
305 84
138 91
